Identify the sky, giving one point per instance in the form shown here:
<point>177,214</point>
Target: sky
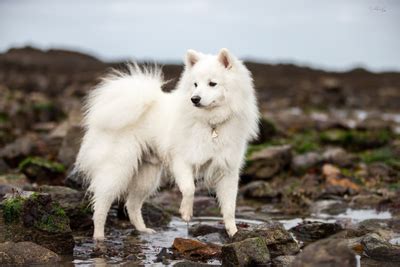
<point>329,34</point>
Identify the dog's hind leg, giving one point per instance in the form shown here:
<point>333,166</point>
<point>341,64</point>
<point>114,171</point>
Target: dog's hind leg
<point>143,185</point>
<point>107,185</point>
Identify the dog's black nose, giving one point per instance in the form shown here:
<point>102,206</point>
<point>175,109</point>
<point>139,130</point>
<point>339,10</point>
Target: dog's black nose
<point>196,99</point>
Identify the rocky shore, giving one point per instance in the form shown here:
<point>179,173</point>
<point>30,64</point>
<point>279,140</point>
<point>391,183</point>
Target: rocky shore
<point>320,187</point>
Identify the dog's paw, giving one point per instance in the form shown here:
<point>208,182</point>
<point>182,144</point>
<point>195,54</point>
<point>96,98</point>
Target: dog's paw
<point>186,210</point>
<point>98,238</point>
<point>186,214</point>
<point>232,230</point>
<point>147,231</point>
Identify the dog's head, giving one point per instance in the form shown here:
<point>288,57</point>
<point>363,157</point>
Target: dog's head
<point>210,78</point>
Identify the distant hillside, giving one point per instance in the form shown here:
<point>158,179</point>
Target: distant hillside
<point>278,86</point>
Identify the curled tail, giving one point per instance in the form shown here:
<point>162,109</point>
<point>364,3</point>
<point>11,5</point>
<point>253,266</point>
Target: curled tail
<point>113,108</point>
<point>122,97</point>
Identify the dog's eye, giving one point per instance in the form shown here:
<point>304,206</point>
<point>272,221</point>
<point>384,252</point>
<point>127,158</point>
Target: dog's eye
<point>195,84</point>
<point>212,84</point>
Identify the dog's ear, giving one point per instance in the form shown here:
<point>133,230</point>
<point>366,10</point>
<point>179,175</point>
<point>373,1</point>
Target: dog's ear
<point>191,58</point>
<point>225,58</point>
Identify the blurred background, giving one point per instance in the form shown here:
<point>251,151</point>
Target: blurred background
<point>327,75</point>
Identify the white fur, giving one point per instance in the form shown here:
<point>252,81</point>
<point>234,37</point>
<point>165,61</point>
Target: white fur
<point>134,131</point>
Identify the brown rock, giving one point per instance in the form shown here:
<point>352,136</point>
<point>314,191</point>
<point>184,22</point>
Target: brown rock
<point>194,249</point>
<point>26,253</point>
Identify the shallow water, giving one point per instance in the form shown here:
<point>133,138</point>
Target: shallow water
<point>124,245</point>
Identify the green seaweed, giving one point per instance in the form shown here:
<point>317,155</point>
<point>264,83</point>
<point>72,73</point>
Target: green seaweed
<point>12,208</point>
<point>38,161</point>
<point>385,155</point>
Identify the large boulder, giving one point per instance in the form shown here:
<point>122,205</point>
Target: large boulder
<point>36,217</point>
<point>26,253</point>
<point>326,252</point>
<point>377,248</point>
<point>278,240</point>
<point>309,231</point>
<point>267,162</point>
<point>249,252</point>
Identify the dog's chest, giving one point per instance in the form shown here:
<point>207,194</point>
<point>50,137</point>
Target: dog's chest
<point>202,144</point>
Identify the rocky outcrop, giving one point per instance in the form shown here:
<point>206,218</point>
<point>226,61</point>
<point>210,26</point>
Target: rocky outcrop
<point>36,217</point>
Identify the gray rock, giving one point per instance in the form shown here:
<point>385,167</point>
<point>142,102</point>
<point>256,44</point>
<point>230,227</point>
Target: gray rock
<point>312,231</point>
<point>338,156</point>
<point>259,189</point>
<point>283,261</point>
<point>278,240</point>
<point>249,252</point>
<point>269,161</point>
<point>26,253</point>
<point>70,145</point>
<point>200,229</point>
<point>326,252</point>
<point>377,248</point>
<point>215,238</point>
<point>300,163</point>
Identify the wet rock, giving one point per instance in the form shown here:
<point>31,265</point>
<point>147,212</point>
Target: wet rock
<point>259,189</point>
<point>75,179</point>
<point>194,249</point>
<point>41,170</point>
<point>338,156</point>
<point>14,152</point>
<point>70,145</point>
<point>308,232</point>
<point>301,163</point>
<point>377,248</point>
<point>15,179</point>
<point>154,215</point>
<point>193,264</point>
<point>6,189</point>
<point>249,252</point>
<point>36,217</point>
<point>215,238</point>
<point>269,161</point>
<point>3,166</point>
<point>278,240</point>
<point>74,203</point>
<point>205,206</point>
<point>326,252</point>
<point>26,253</point>
<point>283,261</point>
<point>267,130</point>
<point>200,229</point>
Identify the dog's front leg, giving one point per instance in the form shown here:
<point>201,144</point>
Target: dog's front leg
<point>227,189</point>
<point>184,178</point>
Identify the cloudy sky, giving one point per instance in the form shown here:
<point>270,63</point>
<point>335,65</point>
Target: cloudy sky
<point>336,35</point>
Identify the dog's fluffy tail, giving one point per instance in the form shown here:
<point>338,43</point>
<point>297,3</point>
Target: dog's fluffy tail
<point>122,97</point>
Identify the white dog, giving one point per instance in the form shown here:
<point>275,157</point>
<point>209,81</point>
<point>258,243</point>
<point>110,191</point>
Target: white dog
<point>134,130</point>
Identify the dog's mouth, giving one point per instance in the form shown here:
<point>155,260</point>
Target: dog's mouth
<point>198,105</point>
